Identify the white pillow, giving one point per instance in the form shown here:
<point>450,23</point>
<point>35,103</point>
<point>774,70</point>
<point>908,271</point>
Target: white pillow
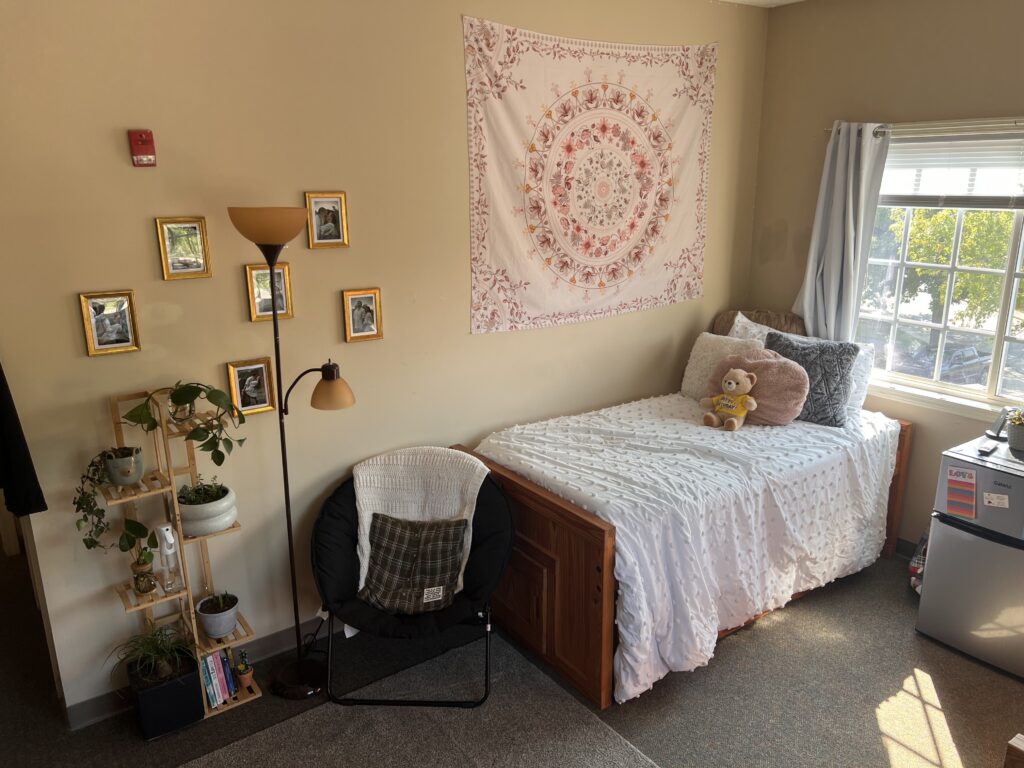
<point>745,328</point>
<point>707,351</point>
<point>860,375</point>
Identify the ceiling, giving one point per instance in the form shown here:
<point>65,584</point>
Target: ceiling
<point>764,3</point>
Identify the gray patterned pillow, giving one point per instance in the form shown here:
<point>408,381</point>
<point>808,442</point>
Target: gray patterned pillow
<point>828,365</point>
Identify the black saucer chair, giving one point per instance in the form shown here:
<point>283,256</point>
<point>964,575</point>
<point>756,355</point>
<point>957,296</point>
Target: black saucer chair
<point>336,572</point>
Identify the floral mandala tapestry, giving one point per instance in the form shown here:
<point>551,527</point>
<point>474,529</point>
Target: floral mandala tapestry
<point>588,175</point>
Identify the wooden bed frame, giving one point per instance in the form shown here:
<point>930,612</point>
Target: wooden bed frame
<point>557,597</point>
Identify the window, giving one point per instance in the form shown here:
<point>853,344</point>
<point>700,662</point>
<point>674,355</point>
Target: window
<point>942,295</point>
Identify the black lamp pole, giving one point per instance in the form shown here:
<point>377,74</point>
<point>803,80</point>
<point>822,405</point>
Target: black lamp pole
<point>302,677</point>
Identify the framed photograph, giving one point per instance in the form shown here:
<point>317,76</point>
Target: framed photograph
<point>184,251</point>
<point>327,219</point>
<point>252,385</point>
<point>110,324</point>
<point>257,278</point>
<point>364,319</point>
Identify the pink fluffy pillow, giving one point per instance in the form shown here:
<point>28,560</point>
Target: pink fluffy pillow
<point>780,390</point>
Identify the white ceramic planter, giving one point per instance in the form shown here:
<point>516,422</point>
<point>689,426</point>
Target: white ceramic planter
<point>204,519</point>
<point>126,470</point>
<point>217,625</point>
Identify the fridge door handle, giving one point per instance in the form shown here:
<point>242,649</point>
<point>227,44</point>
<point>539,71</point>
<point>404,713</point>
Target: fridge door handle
<point>976,530</point>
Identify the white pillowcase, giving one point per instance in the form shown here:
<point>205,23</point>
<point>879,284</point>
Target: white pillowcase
<point>860,375</point>
<point>745,328</point>
<point>707,351</point>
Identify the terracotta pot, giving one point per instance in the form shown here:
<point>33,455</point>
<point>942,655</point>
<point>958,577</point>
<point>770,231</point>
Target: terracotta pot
<point>245,678</point>
<point>143,581</point>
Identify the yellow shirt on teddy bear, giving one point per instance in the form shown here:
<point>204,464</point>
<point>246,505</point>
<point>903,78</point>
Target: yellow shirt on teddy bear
<point>731,406</point>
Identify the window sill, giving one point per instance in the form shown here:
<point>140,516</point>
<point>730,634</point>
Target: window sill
<point>960,406</point>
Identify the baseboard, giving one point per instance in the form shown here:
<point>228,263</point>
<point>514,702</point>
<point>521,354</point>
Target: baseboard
<point>905,549</point>
<point>101,707</point>
<point>91,711</point>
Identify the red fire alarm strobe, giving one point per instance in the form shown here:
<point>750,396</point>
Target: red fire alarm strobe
<point>142,147</point>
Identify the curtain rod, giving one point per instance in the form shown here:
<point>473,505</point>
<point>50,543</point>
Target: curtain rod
<point>950,127</point>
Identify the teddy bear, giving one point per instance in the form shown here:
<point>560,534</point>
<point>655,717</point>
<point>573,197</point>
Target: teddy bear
<point>730,408</point>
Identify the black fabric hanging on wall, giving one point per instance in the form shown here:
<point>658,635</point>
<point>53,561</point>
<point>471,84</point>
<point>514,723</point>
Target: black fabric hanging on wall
<point>22,493</point>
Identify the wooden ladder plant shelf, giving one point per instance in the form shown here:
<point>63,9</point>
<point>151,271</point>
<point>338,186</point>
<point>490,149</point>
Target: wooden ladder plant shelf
<point>159,482</point>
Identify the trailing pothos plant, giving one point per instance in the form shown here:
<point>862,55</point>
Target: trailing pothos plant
<point>211,431</point>
<point>92,522</point>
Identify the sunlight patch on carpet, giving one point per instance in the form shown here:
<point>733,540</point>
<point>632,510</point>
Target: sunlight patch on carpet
<point>914,729</point>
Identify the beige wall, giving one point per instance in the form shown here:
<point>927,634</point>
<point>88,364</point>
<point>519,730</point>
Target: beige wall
<point>253,103</point>
<point>874,60</point>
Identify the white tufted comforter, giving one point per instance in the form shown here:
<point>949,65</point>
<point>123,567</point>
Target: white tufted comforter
<point>712,527</point>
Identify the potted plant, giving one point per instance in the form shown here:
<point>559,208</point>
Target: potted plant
<point>102,468</point>
<point>124,465</point>
<point>244,669</point>
<point>210,430</point>
<point>93,517</point>
<point>164,680</point>
<point>218,614</point>
<point>206,507</point>
<point>142,543</point>
<point>136,538</point>
<point>1015,429</point>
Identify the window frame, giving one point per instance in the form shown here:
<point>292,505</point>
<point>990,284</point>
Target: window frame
<point>1013,280</point>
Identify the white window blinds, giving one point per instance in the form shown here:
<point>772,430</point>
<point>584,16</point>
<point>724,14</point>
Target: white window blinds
<point>985,171</point>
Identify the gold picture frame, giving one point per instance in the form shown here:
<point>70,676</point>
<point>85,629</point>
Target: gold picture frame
<point>109,322</point>
<point>327,219</point>
<point>251,383</point>
<point>184,248</point>
<point>258,284</point>
<point>364,314</point>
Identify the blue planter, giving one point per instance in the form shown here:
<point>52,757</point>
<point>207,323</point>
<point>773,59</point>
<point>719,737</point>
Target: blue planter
<point>170,705</point>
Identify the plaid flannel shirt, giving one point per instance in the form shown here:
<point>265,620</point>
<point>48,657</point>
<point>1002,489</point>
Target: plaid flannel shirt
<point>414,565</point>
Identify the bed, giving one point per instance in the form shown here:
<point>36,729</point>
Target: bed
<point>639,516</point>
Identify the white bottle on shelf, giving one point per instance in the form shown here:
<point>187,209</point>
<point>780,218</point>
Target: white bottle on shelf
<point>169,558</point>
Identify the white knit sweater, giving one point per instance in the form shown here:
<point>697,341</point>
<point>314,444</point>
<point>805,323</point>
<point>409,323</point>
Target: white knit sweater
<point>426,483</point>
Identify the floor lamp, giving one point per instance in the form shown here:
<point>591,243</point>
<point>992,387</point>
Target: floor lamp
<point>270,229</point>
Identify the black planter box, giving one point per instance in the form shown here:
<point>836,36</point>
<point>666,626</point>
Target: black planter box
<point>168,706</point>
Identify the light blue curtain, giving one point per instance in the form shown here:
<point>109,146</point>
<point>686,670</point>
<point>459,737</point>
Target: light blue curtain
<point>843,221</point>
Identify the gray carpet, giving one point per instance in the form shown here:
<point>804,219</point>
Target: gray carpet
<point>838,678</point>
<point>33,731</point>
<point>529,721</point>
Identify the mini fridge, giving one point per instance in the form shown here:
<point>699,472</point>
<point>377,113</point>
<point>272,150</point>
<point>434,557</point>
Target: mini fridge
<point>972,598</point>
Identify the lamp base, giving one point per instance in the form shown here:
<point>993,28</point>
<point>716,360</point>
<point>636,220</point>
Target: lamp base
<point>299,679</point>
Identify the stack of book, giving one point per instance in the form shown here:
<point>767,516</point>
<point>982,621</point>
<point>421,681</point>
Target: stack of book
<point>219,679</point>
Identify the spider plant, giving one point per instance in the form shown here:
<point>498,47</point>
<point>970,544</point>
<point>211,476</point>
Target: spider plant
<point>154,656</point>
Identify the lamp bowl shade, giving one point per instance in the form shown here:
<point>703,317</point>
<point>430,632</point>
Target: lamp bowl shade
<point>268,226</point>
<point>332,395</point>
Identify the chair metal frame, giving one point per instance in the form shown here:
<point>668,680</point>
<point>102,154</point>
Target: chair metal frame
<point>484,616</point>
